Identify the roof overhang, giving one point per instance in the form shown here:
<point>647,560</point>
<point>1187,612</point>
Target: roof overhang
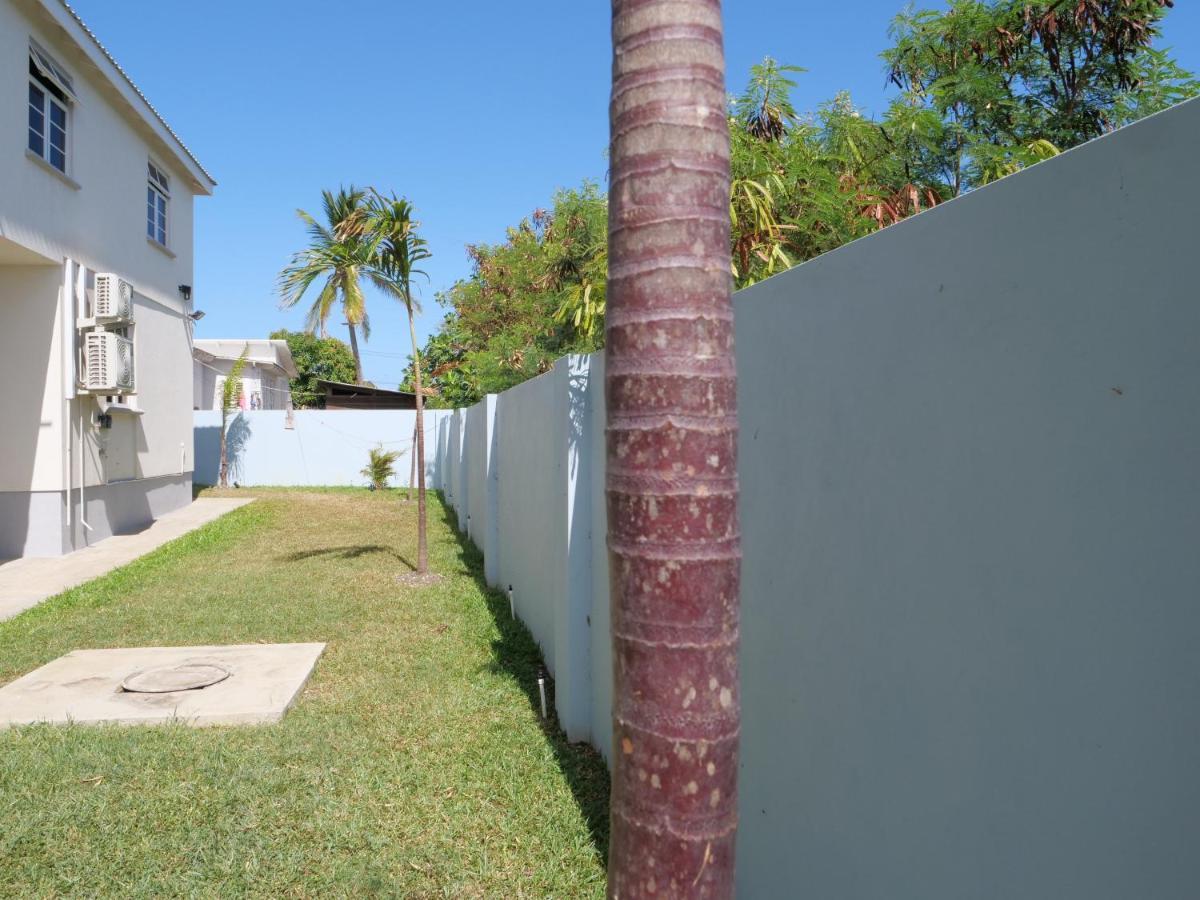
<point>67,25</point>
<point>259,351</point>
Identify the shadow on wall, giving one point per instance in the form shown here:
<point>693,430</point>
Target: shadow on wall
<point>206,453</point>
<point>516,654</point>
<point>237,437</point>
<point>206,450</point>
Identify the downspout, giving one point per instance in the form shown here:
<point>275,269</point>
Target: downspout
<point>82,476</point>
<point>81,294</point>
<point>67,338</point>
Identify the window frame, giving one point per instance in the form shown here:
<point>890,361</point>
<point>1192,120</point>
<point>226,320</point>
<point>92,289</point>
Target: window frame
<point>158,204</point>
<point>53,96</point>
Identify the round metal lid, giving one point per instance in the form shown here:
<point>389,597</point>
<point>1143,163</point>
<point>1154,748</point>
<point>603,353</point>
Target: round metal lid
<point>188,676</point>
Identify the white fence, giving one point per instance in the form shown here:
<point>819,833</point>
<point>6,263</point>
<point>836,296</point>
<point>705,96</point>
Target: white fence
<point>310,447</point>
<point>970,505</point>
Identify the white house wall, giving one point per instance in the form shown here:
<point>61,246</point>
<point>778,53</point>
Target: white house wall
<point>95,217</point>
<point>31,401</point>
<point>102,222</point>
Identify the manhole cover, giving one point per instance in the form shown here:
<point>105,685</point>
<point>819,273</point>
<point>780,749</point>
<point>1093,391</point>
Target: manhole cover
<point>189,676</point>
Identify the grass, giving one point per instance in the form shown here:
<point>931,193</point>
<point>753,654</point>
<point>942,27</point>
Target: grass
<point>414,764</point>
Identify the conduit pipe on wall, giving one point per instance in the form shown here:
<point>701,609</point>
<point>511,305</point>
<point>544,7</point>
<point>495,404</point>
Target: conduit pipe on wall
<point>79,295</point>
<point>67,337</point>
<point>82,477</point>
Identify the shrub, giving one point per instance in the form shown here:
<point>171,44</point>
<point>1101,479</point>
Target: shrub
<point>381,466</point>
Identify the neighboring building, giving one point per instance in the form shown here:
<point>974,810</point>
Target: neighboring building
<point>358,396</point>
<point>97,425</point>
<point>265,378</point>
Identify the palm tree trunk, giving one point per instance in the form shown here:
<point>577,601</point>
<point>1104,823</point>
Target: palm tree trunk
<point>412,452</point>
<point>422,548</point>
<point>674,545</point>
<point>223,475</point>
<point>358,372</point>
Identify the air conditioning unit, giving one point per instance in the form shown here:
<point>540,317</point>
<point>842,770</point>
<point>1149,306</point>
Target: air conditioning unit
<point>113,297</point>
<point>109,363</point>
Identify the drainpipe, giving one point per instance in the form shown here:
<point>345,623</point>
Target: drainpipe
<point>81,297</point>
<point>67,338</point>
<point>82,476</point>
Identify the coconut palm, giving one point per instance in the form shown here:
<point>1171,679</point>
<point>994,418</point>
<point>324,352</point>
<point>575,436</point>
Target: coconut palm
<point>339,253</point>
<point>387,224</point>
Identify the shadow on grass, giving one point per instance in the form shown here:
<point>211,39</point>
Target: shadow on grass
<point>516,654</point>
<point>352,551</point>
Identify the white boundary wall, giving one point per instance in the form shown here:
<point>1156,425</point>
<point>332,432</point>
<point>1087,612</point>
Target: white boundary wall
<point>971,505</point>
<point>321,448</point>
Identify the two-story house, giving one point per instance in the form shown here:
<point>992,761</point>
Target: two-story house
<point>96,196</point>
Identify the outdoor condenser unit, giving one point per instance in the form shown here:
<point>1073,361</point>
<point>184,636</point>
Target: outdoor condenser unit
<point>113,297</point>
<point>109,363</point>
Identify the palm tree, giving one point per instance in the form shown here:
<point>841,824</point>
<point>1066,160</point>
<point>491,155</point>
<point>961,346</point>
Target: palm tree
<point>231,392</point>
<point>341,254</point>
<point>672,469</point>
<point>388,221</point>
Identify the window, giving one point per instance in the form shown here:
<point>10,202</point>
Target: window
<point>158,193</point>
<point>51,93</point>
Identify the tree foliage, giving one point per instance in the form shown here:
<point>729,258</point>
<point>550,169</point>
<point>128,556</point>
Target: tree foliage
<point>380,467</point>
<point>339,255</point>
<point>317,359</point>
<point>505,322</point>
<point>231,394</point>
<point>983,89</point>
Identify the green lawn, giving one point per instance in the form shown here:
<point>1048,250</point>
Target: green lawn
<point>414,764</point>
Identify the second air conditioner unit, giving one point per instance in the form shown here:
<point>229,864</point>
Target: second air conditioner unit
<point>112,298</point>
<point>109,363</point>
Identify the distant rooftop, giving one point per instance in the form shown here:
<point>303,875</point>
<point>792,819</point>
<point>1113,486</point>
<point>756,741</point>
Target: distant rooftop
<point>261,351</point>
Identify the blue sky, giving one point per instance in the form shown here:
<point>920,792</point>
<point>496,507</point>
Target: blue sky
<point>477,111</point>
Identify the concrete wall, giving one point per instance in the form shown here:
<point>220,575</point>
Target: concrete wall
<point>970,606</point>
<point>324,447</point>
<point>970,505</point>
<point>531,499</point>
<point>482,523</point>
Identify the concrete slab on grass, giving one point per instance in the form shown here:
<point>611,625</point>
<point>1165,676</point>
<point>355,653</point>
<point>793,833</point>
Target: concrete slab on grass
<point>27,582</point>
<point>85,687</point>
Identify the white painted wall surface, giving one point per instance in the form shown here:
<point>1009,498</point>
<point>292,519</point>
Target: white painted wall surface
<point>324,447</point>
<point>102,223</point>
<point>482,524</point>
<point>31,434</point>
<point>532,503</point>
<point>970,505</point>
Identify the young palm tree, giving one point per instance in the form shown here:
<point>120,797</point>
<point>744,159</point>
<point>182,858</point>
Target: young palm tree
<point>672,440</point>
<point>231,392</point>
<point>339,253</point>
<point>388,220</point>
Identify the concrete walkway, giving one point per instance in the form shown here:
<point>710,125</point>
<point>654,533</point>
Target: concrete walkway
<point>27,582</point>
